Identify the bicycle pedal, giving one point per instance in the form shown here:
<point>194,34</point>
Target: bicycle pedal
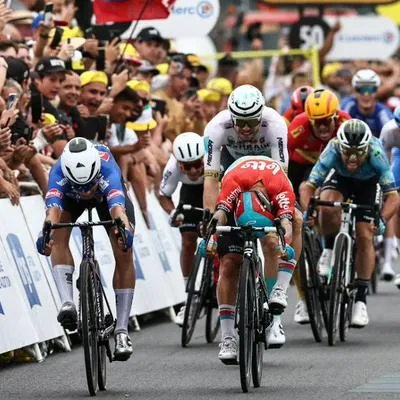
<point>230,362</point>
<point>275,346</point>
<point>276,309</point>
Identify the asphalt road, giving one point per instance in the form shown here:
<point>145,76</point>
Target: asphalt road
<point>367,366</point>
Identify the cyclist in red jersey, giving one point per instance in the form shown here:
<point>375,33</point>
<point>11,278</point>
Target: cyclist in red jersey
<point>265,175</point>
<point>309,133</point>
<point>299,97</point>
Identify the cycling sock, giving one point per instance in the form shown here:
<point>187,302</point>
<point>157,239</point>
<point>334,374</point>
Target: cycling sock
<point>329,241</point>
<point>123,300</point>
<point>227,317</point>
<point>389,245</point>
<point>362,290</point>
<point>62,274</point>
<point>270,282</point>
<point>285,272</point>
<point>185,282</point>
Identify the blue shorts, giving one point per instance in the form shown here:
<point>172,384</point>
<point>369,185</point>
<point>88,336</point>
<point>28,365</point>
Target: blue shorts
<point>396,167</point>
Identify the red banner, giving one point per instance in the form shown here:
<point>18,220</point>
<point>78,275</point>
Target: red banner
<point>107,11</point>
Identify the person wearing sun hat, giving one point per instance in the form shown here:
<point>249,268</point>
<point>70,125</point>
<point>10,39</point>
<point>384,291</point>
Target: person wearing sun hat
<point>224,87</point>
<point>93,89</point>
<point>210,102</point>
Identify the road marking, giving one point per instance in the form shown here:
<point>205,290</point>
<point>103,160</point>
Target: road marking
<point>385,384</point>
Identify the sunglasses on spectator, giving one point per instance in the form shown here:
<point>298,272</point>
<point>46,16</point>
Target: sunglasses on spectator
<point>349,151</point>
<point>367,90</point>
<point>322,121</point>
<point>196,165</point>
<point>251,123</point>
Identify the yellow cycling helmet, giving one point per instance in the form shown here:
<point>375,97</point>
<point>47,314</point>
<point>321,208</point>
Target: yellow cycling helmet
<point>321,103</point>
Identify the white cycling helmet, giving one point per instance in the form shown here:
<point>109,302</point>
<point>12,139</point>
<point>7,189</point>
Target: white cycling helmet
<point>80,161</point>
<point>354,133</point>
<point>188,147</point>
<point>246,102</point>
<point>366,77</point>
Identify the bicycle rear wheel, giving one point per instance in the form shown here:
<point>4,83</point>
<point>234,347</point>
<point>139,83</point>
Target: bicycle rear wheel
<point>212,314</point>
<point>246,333</point>
<point>312,290</point>
<point>89,325</point>
<point>197,288</point>
<point>336,287</point>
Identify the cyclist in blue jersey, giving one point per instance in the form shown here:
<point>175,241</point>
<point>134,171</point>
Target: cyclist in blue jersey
<point>364,105</point>
<point>351,166</point>
<point>86,176</point>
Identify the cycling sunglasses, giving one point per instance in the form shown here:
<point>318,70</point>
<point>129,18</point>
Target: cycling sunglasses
<point>322,121</point>
<point>196,165</point>
<point>85,188</point>
<point>367,90</point>
<point>349,151</point>
<point>251,123</point>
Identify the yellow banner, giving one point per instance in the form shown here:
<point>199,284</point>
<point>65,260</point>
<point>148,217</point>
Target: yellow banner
<point>327,2</point>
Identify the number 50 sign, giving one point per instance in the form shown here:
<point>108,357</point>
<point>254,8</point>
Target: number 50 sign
<point>308,32</point>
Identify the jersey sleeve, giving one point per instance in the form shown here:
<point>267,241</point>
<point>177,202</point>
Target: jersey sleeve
<point>386,137</point>
<point>382,168</point>
<point>57,188</point>
<point>295,131</point>
<point>213,140</point>
<point>326,162</point>
<point>278,139</point>
<point>112,182</point>
<point>170,178</point>
<point>347,104</point>
<point>280,192</point>
<point>228,196</point>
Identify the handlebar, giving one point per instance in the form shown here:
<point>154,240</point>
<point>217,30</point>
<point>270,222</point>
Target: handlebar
<point>117,222</point>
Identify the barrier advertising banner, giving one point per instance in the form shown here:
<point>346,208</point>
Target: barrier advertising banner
<point>22,254</point>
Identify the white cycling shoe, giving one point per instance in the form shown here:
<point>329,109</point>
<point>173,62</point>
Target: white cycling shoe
<point>301,313</point>
<point>360,317</point>
<point>276,335</point>
<point>180,316</point>
<point>228,350</point>
<point>397,280</point>
<point>324,263</point>
<point>277,301</point>
<point>387,272</point>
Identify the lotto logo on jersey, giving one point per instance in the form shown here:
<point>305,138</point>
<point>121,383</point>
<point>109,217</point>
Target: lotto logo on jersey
<point>283,200</point>
<point>262,166</point>
<point>104,156</point>
<point>54,193</point>
<point>114,193</point>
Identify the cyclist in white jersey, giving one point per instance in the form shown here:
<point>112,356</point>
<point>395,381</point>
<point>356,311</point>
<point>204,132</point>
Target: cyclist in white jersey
<point>390,137</point>
<point>185,165</point>
<point>246,128</point>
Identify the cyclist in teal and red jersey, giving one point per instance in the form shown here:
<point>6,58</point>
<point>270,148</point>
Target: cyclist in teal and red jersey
<point>266,176</point>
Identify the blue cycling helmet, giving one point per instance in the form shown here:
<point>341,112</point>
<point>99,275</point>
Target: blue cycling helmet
<point>250,211</point>
<point>396,114</point>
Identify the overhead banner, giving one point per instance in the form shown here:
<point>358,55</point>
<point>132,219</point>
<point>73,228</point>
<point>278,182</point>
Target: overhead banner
<point>364,38</point>
<point>327,2</point>
<point>110,11</point>
<point>187,18</point>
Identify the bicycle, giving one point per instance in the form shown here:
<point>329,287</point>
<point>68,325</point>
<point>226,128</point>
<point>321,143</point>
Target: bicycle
<point>95,325</point>
<point>252,314</point>
<point>341,279</point>
<point>201,290</point>
<point>314,290</point>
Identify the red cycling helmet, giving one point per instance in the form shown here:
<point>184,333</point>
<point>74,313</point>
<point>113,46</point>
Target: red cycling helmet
<point>299,98</point>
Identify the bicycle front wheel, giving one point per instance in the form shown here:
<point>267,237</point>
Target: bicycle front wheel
<point>246,333</point>
<point>89,324</point>
<point>197,287</point>
<point>102,354</point>
<point>336,287</point>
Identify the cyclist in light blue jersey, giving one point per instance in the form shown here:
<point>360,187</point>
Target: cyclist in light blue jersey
<point>364,105</point>
<point>350,167</point>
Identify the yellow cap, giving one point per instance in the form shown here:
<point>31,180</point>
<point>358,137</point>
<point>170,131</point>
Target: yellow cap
<point>221,85</point>
<point>137,85</point>
<point>163,68</point>
<point>94,77</point>
<point>331,69</point>
<point>145,122</point>
<point>209,96</point>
